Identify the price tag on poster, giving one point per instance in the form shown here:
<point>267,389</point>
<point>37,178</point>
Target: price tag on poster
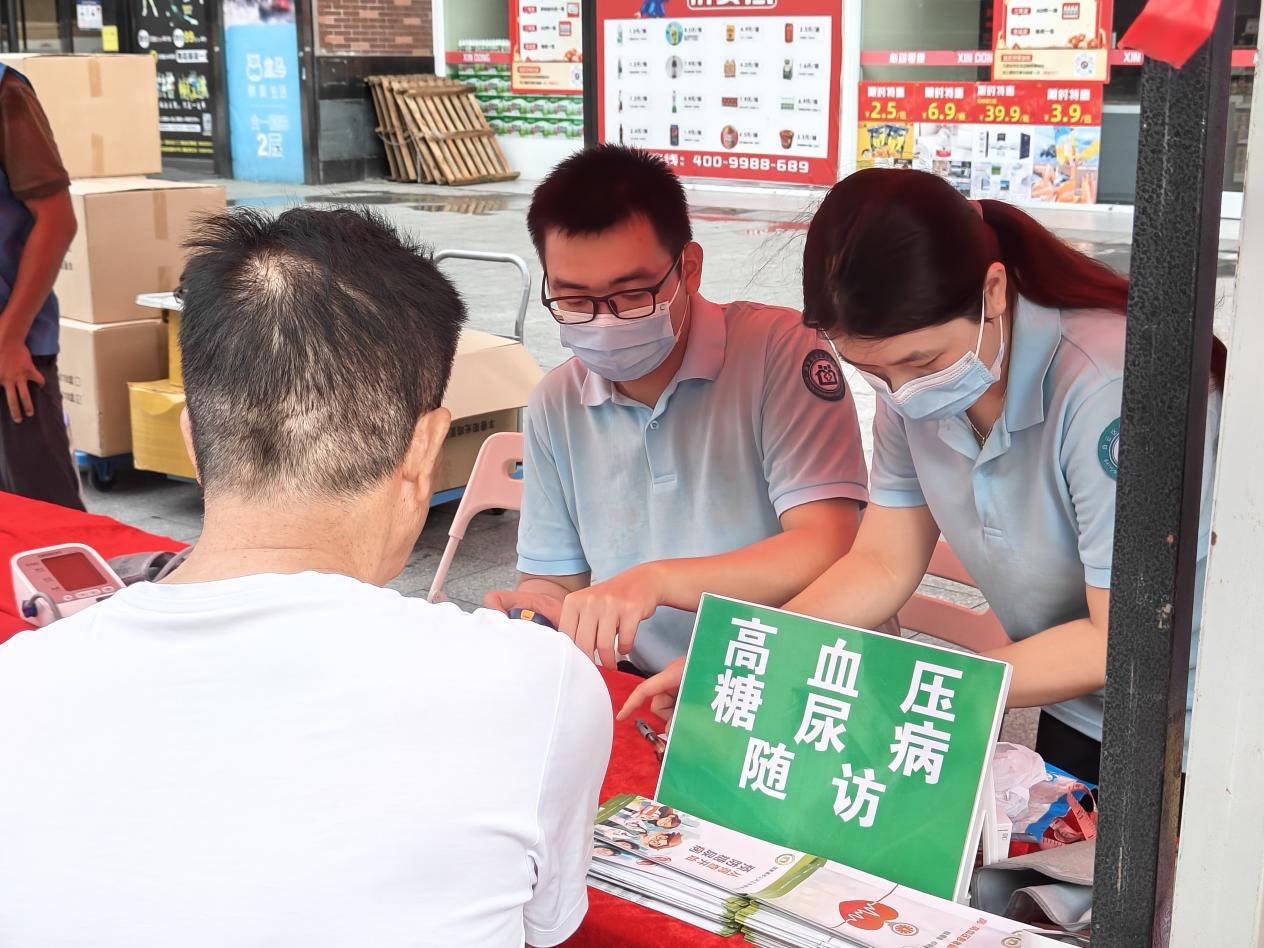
<point>741,90</point>
<point>1051,39</point>
<point>1067,104</point>
<point>547,47</point>
<point>947,103</point>
<point>1004,103</point>
<point>889,101</point>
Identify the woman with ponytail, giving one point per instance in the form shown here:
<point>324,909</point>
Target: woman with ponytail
<point>996,351</point>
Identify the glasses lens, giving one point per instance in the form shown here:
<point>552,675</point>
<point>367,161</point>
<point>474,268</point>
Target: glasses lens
<point>572,309</point>
<point>636,304</point>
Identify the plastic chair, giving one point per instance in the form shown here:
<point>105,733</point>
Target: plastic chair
<point>492,485</point>
<point>950,621</point>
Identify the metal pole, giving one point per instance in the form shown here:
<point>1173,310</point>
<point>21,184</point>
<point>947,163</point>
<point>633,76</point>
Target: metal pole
<point>592,62</point>
<point>1166,367</point>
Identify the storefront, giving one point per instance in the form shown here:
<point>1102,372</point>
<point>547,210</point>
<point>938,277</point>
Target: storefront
<point>1007,99</point>
<point>526,61</point>
<point>181,36</point>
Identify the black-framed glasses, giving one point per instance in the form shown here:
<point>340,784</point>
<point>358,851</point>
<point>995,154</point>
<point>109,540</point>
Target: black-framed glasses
<point>626,304</point>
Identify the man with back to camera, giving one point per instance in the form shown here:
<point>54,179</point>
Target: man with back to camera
<point>267,747</point>
<point>688,447</point>
<point>37,223</point>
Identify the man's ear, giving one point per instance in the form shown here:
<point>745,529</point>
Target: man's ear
<point>422,456</point>
<point>186,432</point>
<point>691,264</point>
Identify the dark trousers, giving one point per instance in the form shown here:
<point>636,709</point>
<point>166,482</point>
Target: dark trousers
<point>35,455</point>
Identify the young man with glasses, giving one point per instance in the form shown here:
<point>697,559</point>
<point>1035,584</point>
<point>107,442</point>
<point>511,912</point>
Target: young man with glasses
<point>688,447</point>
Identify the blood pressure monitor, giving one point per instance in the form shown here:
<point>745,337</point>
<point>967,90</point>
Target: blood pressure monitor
<point>57,581</point>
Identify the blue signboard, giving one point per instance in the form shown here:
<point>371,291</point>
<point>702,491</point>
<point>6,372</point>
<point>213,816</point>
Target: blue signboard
<point>265,124</point>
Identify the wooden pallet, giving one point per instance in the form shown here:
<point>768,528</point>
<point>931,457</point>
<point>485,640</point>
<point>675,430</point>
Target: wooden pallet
<point>435,132</point>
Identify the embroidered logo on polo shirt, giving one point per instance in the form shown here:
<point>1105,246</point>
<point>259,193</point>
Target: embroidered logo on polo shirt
<point>821,376</point>
<point>1108,449</point>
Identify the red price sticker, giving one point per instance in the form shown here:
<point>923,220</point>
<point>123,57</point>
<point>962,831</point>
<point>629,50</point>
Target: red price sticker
<point>1002,103</point>
<point>1070,104</point>
<point>946,104</point>
<point>886,102</point>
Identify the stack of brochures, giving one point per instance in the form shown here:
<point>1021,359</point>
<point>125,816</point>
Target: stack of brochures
<point>725,882</point>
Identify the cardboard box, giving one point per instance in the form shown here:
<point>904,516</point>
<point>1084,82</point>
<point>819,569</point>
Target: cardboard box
<point>94,367</point>
<point>464,439</point>
<point>156,441</point>
<point>129,242</point>
<point>491,379</point>
<point>103,109</point>
<point>168,304</point>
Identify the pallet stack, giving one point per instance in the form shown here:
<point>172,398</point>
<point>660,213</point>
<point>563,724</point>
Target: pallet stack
<point>435,133</point>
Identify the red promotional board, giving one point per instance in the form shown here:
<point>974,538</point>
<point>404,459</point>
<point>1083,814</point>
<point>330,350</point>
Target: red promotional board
<point>734,89</point>
<point>983,103</point>
<point>1023,141</point>
<point>546,38</point>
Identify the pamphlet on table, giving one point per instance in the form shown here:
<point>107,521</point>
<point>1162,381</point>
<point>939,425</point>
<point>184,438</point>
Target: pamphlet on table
<point>725,882</point>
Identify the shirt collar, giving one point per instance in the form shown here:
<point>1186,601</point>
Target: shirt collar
<point>704,353</point>
<point>1037,331</point>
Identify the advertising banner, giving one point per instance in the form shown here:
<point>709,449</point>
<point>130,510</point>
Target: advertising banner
<point>178,39</point>
<point>264,117</point>
<point>1019,141</point>
<point>1052,39</point>
<point>548,47</point>
<point>742,89</point>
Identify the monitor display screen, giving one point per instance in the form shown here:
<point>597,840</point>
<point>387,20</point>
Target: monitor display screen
<point>74,571</point>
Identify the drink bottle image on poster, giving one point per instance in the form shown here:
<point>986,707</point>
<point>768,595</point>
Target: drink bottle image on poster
<point>548,48</point>
<point>738,91</point>
<point>1052,39</point>
<point>264,118</point>
<point>174,32</point>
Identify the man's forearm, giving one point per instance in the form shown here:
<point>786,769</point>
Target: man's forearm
<point>771,571</point>
<point>42,254</point>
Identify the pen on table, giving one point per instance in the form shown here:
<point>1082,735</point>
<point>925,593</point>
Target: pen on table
<point>648,733</point>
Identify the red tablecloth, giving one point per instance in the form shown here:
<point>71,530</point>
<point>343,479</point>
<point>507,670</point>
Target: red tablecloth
<point>28,524</point>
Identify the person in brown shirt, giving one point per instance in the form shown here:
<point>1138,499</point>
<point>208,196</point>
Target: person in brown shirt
<point>37,223</point>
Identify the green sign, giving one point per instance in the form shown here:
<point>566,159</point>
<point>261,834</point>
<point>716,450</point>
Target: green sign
<point>863,748</point>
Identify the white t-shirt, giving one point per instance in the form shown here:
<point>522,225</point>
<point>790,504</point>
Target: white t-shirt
<point>295,760</point>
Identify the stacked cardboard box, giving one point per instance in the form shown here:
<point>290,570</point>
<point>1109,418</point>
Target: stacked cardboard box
<point>103,110</point>
<point>130,241</point>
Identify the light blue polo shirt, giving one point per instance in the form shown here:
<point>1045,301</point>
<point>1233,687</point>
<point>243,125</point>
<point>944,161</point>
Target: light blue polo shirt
<point>757,420</point>
<point>1031,514</point>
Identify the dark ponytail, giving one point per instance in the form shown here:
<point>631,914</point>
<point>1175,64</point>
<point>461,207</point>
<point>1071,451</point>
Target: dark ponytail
<point>891,251</point>
<point>1045,269</point>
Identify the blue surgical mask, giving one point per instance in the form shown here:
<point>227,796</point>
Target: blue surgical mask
<point>622,350</point>
<point>947,392</point>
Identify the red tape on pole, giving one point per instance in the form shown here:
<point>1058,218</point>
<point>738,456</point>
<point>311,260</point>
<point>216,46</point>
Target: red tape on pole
<point>1172,30</point>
